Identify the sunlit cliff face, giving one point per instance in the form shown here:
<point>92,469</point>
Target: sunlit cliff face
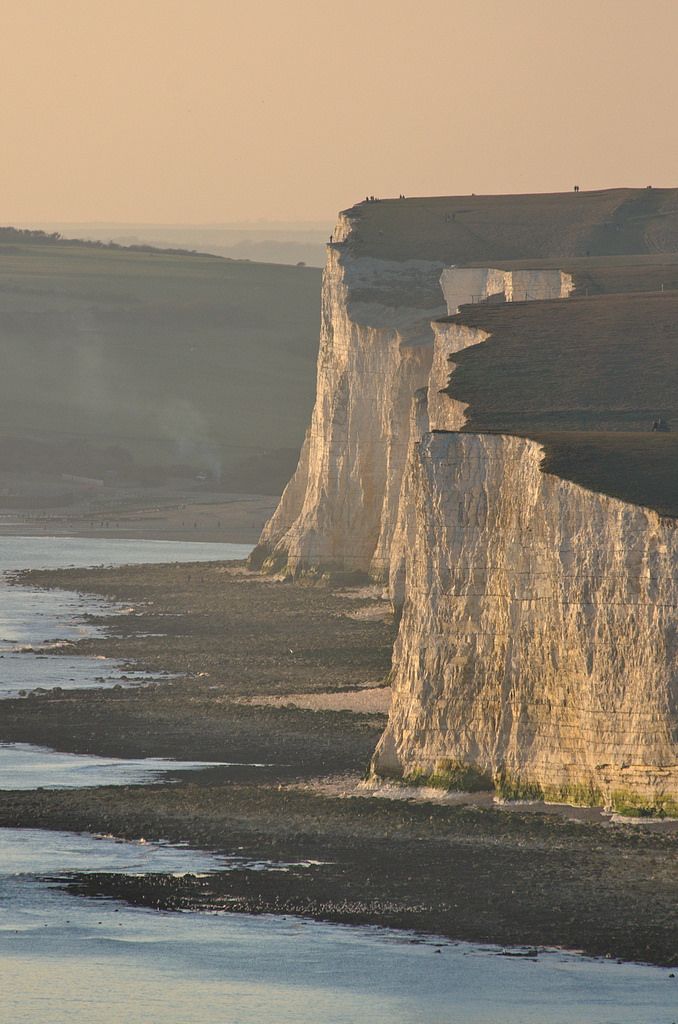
<point>536,649</point>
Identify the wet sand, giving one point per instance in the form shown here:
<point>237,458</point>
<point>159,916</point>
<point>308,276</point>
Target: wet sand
<point>371,700</point>
<point>463,871</point>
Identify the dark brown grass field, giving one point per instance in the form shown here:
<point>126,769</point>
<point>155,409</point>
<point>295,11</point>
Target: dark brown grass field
<point>467,229</point>
<point>588,377</point>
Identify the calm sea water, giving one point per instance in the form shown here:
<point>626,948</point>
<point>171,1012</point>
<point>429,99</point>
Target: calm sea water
<point>62,552</point>
<point>24,766</point>
<point>30,617</point>
<point>68,959</point>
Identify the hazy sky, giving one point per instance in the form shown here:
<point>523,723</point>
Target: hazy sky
<point>212,110</point>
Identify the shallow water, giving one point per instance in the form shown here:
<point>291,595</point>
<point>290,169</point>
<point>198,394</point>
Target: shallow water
<point>29,616</point>
<point>65,958</point>
<point>21,674</point>
<point>64,552</point>
<point>24,766</point>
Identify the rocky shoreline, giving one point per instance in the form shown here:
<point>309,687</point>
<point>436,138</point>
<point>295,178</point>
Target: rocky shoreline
<point>463,872</point>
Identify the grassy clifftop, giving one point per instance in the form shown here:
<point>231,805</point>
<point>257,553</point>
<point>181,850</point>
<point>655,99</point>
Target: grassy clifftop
<point>467,229</point>
<point>169,357</point>
<point>587,377</point>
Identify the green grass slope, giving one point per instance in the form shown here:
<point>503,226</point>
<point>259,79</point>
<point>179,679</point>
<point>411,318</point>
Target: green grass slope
<point>170,358</point>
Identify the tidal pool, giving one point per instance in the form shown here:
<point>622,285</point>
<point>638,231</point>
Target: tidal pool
<point>31,617</point>
<point>24,766</point>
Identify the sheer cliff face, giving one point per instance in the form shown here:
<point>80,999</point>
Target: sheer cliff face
<point>538,646</point>
<point>340,508</point>
<point>444,414</point>
<point>482,284</point>
<point>432,409</point>
<point>538,642</point>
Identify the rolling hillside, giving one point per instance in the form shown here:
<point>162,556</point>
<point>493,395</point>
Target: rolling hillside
<point>116,358</point>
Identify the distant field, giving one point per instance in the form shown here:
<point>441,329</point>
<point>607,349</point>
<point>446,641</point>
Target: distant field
<point>274,242</point>
<point>472,229</point>
<point>587,376</point>
<point>172,359</point>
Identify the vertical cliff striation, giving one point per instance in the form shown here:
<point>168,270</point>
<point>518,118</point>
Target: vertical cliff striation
<point>538,645</point>
<point>538,642</point>
<point>377,342</point>
<point>339,510</point>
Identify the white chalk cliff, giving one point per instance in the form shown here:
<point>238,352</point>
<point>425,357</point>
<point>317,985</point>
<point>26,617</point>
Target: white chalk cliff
<point>341,507</point>
<point>480,284</point>
<point>376,344</point>
<point>538,642</point>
